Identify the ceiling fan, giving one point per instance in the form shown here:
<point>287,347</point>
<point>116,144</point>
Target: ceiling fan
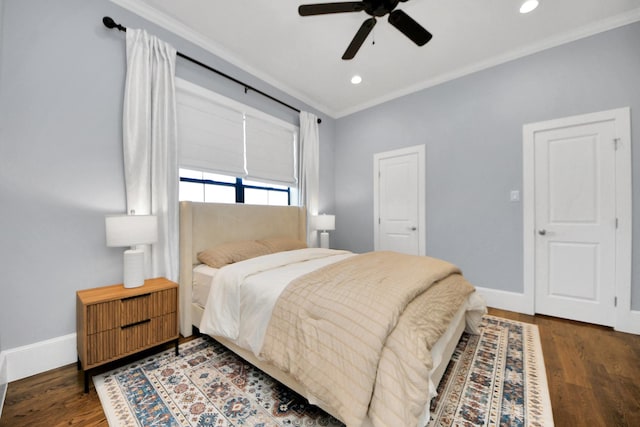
<point>379,8</point>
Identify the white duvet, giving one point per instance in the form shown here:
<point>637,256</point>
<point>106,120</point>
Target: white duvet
<point>242,295</point>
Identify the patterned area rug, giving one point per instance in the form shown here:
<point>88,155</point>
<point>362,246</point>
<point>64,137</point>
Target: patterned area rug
<point>495,378</point>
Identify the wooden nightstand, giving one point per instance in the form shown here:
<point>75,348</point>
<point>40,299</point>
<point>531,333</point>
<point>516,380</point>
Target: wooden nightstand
<point>114,321</point>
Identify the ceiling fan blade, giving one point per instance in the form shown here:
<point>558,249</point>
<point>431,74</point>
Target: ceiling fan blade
<point>325,8</point>
<point>409,27</point>
<point>359,38</point>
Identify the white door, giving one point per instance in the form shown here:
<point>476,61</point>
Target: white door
<point>575,221</point>
<point>399,200</point>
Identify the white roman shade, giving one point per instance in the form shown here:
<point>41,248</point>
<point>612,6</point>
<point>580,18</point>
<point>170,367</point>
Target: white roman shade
<point>210,133</point>
<point>270,151</point>
<point>219,135</point>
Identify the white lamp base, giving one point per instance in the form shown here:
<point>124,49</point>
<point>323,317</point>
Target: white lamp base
<point>324,239</point>
<point>133,268</point>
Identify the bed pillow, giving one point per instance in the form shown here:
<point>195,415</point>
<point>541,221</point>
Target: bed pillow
<point>281,244</point>
<point>228,253</point>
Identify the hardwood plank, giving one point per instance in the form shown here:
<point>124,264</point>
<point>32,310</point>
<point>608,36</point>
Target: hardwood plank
<point>592,371</point>
<point>52,398</point>
<point>593,375</point>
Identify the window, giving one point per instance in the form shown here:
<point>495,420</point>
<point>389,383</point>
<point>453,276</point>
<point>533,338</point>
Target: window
<point>232,153</point>
<point>198,186</point>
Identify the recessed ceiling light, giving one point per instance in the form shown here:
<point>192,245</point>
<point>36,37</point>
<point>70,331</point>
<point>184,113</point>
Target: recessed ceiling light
<point>356,79</point>
<point>528,6</point>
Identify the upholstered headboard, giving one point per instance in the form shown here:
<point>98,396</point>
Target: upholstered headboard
<point>204,225</point>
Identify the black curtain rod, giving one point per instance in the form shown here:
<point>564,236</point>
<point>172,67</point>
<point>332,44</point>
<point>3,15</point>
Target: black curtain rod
<point>110,23</point>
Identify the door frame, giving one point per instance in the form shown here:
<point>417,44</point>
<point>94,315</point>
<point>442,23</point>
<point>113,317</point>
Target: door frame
<point>422,223</point>
<point>623,178</point>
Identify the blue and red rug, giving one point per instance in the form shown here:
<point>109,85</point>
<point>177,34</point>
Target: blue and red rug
<point>496,378</point>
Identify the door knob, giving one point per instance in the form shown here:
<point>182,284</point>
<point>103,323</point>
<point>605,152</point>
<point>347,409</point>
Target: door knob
<point>413,228</point>
<point>542,232</point>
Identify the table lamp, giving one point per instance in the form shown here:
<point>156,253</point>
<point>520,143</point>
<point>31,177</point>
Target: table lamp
<point>324,223</point>
<point>132,230</point>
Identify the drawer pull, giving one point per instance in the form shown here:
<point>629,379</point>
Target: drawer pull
<point>136,296</point>
<point>135,324</point>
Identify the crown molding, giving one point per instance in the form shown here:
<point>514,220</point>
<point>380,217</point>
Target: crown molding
<point>147,12</point>
<point>176,27</point>
<point>551,42</point>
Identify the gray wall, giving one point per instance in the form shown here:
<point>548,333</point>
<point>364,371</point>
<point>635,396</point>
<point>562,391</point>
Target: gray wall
<point>472,129</point>
<point>61,154</point>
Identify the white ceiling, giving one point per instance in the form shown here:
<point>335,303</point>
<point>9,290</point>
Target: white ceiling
<point>302,55</point>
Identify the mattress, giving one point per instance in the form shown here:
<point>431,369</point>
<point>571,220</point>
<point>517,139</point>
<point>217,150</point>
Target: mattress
<point>202,278</point>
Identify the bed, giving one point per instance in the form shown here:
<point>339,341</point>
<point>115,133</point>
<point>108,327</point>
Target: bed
<point>207,225</point>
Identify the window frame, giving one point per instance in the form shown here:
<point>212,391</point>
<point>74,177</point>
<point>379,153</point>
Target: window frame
<point>239,186</point>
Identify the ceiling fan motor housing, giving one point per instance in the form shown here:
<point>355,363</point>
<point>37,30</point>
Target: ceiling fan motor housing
<point>380,7</point>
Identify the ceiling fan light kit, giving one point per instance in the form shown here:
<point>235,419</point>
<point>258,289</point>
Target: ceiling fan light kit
<point>375,8</point>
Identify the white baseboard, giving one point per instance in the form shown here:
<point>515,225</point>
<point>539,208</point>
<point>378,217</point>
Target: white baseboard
<point>3,375</point>
<point>629,322</point>
<point>22,362</point>
<point>505,300</point>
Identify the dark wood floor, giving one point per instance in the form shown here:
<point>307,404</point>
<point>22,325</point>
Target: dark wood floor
<point>593,374</point>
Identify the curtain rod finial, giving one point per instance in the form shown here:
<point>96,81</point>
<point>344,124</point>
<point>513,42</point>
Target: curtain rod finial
<point>110,23</point>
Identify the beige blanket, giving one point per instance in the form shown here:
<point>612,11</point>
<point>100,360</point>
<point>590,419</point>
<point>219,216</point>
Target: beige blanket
<point>330,329</point>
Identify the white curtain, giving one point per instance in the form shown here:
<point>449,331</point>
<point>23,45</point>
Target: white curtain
<point>150,144</point>
<point>310,171</point>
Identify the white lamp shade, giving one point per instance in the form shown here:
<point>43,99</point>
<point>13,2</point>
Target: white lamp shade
<point>131,230</point>
<point>325,222</point>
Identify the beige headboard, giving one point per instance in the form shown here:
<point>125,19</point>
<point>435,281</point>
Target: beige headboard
<point>204,225</point>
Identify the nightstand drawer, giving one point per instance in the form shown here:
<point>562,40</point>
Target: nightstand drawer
<point>135,309</point>
<point>102,347</point>
<point>164,302</point>
<point>163,328</point>
<point>135,336</point>
<point>102,317</point>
